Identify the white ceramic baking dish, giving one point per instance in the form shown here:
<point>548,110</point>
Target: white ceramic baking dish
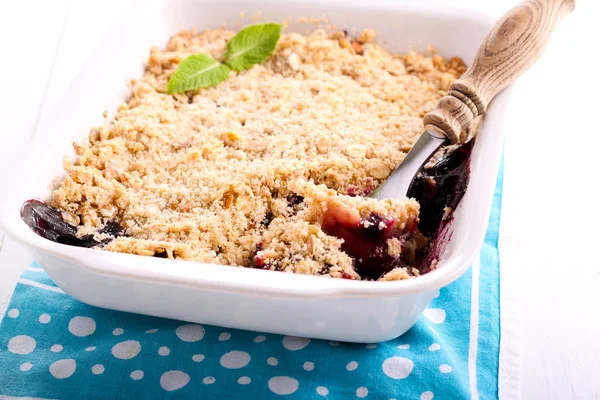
<point>252,299</point>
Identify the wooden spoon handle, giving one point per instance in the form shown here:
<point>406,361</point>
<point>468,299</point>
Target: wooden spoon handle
<point>514,44</point>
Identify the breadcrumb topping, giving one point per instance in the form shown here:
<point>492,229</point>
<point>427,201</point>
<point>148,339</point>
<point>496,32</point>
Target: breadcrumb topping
<point>242,173</point>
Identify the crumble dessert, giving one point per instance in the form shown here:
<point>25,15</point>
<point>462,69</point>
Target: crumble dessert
<point>269,168</point>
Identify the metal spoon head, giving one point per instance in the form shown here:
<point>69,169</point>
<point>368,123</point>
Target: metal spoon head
<point>398,183</point>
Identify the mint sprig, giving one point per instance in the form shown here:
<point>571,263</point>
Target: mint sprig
<point>250,46</point>
<point>197,71</point>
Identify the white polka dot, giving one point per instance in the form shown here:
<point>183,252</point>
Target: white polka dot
<point>283,385</point>
<point>164,351</point>
<point>137,375</point>
<point>174,380</point>
<point>209,380</point>
<point>63,369</point>
<point>244,380</point>
<point>434,347</point>
<point>26,366</point>
<point>362,392</point>
<point>118,331</point>
<point>13,313</point>
<point>224,336</point>
<point>404,346</point>
<point>44,318</point>
<point>235,359</point>
<point>272,361</point>
<point>295,343</point>
<point>445,369</point>
<point>97,369</point>
<point>334,344</point>
<point>397,367</point>
<point>126,350</point>
<point>152,331</point>
<point>308,366</point>
<point>91,348</point>
<point>427,395</point>
<point>21,344</point>
<point>82,326</point>
<point>260,339</point>
<point>56,348</point>
<point>198,357</point>
<point>190,332</point>
<point>352,365</point>
<point>371,346</point>
<point>322,390</point>
<point>435,315</point>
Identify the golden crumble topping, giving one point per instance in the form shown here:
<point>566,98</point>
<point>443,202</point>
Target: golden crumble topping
<point>249,172</point>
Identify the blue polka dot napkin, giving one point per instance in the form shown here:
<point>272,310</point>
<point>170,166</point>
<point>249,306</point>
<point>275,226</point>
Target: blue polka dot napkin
<point>52,346</point>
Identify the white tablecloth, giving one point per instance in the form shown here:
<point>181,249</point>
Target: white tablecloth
<point>550,270</point>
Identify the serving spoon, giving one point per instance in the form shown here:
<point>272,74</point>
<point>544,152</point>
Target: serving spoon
<point>513,45</point>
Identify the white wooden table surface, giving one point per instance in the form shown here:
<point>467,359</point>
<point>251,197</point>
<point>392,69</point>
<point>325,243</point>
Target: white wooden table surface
<point>549,230</point>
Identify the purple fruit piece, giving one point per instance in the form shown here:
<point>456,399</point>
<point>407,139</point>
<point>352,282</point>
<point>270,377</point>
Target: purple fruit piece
<point>293,199</point>
<point>260,262</point>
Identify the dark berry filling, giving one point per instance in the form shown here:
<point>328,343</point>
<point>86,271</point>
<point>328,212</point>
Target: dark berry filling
<point>261,262</point>
<point>48,222</point>
<point>366,243</point>
<point>293,199</point>
<point>441,186</point>
<point>294,202</point>
<point>436,188</point>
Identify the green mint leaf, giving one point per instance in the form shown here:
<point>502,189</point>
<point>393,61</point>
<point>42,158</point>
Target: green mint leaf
<point>252,45</point>
<point>195,72</point>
